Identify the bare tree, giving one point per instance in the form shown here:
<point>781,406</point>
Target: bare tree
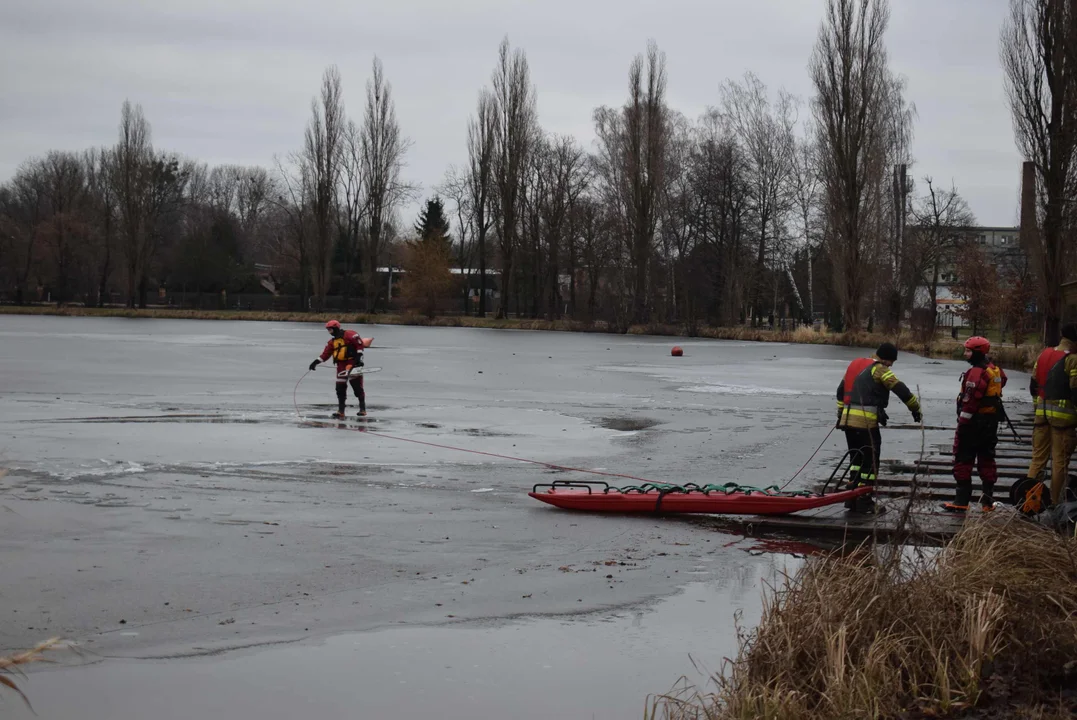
<point>323,142</point>
<point>902,260</point>
<point>353,208</point>
<point>514,125</point>
<point>457,187</point>
<point>680,224</point>
<point>720,177</point>
<point>131,166</point>
<point>806,190</point>
<point>940,216</point>
<point>291,242</point>
<point>254,194</point>
<point>98,169</point>
<point>383,149</point>
<point>148,186</point>
<point>65,227</point>
<point>595,245</point>
<point>850,74</point>
<point>481,146</point>
<point>1038,47</point>
<point>20,214</point>
<point>766,134</point>
<point>563,169</point>
<point>633,146</point>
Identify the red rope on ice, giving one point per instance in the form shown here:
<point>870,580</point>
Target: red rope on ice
<point>467,450</point>
<point>552,466</point>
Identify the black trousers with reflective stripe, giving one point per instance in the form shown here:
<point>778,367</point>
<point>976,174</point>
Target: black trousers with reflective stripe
<point>864,461</point>
<point>357,388</point>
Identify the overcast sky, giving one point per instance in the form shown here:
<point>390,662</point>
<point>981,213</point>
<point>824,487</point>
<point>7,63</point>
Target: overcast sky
<point>230,81</point>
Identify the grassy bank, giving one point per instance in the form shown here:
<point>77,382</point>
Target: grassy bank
<point>1007,356</point>
<point>985,629</point>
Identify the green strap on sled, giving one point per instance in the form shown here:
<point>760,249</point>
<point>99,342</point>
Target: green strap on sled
<point>726,488</point>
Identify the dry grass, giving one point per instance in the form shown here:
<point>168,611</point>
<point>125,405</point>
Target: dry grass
<point>1021,357</point>
<point>11,665</point>
<point>990,622</point>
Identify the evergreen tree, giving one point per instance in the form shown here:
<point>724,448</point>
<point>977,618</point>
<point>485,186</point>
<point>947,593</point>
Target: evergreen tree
<point>432,222</point>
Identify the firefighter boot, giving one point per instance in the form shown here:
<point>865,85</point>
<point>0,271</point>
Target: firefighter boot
<point>961,499</point>
<point>854,482</point>
<point>866,505</point>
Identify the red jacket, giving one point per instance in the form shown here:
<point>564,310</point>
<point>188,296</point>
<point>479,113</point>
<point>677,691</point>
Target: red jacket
<point>977,397</point>
<point>347,351</point>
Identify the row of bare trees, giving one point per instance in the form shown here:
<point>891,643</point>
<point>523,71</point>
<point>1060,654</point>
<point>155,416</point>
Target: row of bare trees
<point>763,206</point>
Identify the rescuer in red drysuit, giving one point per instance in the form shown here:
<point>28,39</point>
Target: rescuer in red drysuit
<point>346,349</point>
<point>979,410</point>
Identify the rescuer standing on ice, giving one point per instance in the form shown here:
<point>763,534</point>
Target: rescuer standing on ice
<point>346,349</point>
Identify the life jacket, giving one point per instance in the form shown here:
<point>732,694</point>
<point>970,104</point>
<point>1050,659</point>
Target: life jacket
<point>1044,364</point>
<point>342,350</point>
<point>992,399</point>
<point>1049,359</point>
<point>862,395</point>
<point>1057,403</point>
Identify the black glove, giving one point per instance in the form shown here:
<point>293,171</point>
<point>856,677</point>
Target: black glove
<point>359,361</point>
<point>883,417</point>
<point>314,364</point>
<point>917,416</point>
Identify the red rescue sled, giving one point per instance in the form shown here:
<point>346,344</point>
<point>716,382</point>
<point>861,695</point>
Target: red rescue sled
<point>729,499</point>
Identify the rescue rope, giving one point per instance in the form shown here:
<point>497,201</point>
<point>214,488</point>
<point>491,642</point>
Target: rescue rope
<point>783,487</point>
<point>294,391</point>
<point>654,484</point>
<point>475,452</point>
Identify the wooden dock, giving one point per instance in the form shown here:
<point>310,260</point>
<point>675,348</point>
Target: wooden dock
<point>930,479</point>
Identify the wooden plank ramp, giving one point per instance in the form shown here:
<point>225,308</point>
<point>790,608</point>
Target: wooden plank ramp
<point>930,478</point>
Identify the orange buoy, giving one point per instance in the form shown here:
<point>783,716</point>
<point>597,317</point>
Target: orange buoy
<point>676,352</point>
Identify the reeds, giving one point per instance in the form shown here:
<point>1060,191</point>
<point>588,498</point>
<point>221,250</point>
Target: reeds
<point>989,621</point>
<point>10,665</point>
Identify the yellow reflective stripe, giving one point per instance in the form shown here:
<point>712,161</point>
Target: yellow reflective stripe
<point>862,413</point>
<point>840,404</point>
<point>889,374</point>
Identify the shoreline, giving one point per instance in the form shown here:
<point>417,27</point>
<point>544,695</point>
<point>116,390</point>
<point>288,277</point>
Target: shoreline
<point>1019,357</point>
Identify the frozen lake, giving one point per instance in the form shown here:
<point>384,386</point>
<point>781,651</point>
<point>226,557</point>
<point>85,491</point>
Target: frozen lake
<point>169,508</point>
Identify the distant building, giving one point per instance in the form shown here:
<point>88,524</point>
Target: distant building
<point>1001,243</point>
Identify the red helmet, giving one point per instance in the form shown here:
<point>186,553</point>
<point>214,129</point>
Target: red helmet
<point>332,325</point>
<point>978,343</point>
